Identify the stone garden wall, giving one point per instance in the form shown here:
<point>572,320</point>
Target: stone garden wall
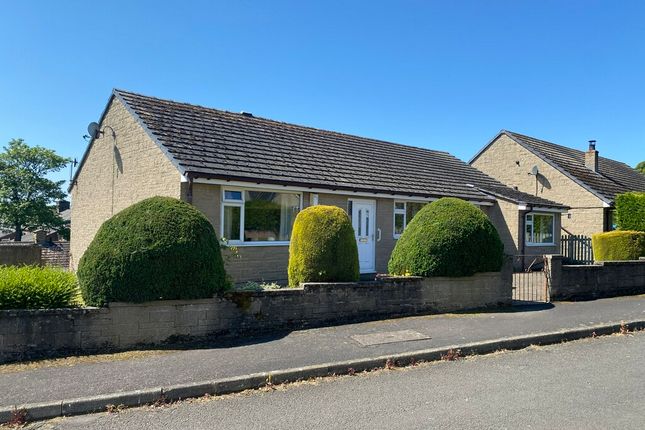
<point>19,253</point>
<point>602,279</point>
<point>26,333</point>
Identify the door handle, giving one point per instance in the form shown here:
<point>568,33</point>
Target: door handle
<point>378,230</point>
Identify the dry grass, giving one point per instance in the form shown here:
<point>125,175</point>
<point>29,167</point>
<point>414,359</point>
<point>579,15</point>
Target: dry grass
<point>18,419</point>
<point>80,359</point>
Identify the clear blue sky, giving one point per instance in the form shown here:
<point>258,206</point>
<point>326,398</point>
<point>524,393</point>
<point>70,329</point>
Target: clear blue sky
<point>439,74</point>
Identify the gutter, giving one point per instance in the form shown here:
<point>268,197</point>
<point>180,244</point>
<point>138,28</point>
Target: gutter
<point>238,181</point>
<point>524,207</point>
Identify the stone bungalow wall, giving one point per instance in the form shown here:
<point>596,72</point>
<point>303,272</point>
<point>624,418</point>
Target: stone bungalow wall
<point>26,333</point>
<point>602,279</point>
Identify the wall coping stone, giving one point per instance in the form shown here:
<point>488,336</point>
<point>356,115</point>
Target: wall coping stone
<point>50,312</point>
<point>438,278</point>
<point>619,262</point>
<point>155,303</point>
<point>259,293</point>
<point>600,264</point>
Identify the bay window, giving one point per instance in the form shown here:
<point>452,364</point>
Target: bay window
<point>256,216</point>
<point>539,229</point>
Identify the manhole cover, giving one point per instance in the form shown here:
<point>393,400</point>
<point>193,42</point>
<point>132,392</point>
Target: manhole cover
<point>388,337</point>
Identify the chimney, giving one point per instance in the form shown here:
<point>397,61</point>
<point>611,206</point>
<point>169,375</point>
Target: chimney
<point>40,236</point>
<point>591,157</point>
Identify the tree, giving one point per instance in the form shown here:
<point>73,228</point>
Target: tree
<point>26,195</point>
<point>641,167</point>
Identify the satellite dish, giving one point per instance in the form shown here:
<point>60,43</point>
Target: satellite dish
<point>534,170</point>
<point>93,130</point>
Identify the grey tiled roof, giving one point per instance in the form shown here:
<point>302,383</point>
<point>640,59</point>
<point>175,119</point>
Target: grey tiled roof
<point>613,177</point>
<point>211,143</point>
<point>506,193</point>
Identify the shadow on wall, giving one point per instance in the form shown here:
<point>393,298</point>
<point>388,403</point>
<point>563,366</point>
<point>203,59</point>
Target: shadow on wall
<point>117,159</point>
<point>495,213</point>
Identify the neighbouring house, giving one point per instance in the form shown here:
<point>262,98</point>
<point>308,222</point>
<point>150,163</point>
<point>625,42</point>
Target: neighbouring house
<point>46,246</point>
<point>42,235</point>
<point>250,176</point>
<point>584,181</point>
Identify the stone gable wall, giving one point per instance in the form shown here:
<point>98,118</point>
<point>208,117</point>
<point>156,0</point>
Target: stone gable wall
<point>500,161</point>
<point>117,173</point>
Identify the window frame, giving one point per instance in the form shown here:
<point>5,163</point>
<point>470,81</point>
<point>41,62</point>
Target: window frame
<point>531,223</point>
<point>396,212</point>
<point>403,212</point>
<point>240,203</point>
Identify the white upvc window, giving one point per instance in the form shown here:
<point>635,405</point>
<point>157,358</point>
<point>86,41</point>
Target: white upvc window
<point>539,229</point>
<point>258,217</point>
<point>403,214</point>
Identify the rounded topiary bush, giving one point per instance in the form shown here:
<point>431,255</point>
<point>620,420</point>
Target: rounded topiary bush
<point>449,237</point>
<point>323,247</point>
<point>618,245</point>
<point>158,249</point>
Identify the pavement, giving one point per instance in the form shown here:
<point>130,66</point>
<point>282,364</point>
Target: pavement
<point>586,384</point>
<point>344,344</point>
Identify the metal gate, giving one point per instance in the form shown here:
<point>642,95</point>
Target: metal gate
<point>530,280</point>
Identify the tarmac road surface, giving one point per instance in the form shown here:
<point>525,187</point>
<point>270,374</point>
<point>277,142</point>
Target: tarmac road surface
<point>589,384</point>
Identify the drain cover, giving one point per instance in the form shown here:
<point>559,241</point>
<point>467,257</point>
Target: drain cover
<point>388,337</point>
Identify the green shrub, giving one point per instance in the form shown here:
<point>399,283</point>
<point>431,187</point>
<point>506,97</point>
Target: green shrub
<point>323,247</point>
<point>33,287</point>
<point>630,211</point>
<point>618,245</point>
<point>449,237</point>
<point>157,249</point>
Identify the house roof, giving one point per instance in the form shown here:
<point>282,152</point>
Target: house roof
<point>505,193</point>
<point>66,215</point>
<point>210,143</point>
<point>612,178</point>
<point>28,236</point>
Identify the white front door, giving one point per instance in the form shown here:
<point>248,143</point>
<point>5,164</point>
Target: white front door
<point>363,220</point>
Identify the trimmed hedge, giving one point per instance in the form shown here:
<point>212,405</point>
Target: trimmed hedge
<point>33,287</point>
<point>448,237</point>
<point>323,247</point>
<point>618,245</point>
<point>158,249</point>
<point>630,211</point>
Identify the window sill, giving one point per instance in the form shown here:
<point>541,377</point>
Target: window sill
<point>252,244</point>
<point>540,244</point>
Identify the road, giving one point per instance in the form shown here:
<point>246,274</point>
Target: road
<point>71,379</point>
<point>594,383</point>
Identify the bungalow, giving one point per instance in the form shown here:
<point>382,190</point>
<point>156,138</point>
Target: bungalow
<point>584,181</point>
<point>250,176</point>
